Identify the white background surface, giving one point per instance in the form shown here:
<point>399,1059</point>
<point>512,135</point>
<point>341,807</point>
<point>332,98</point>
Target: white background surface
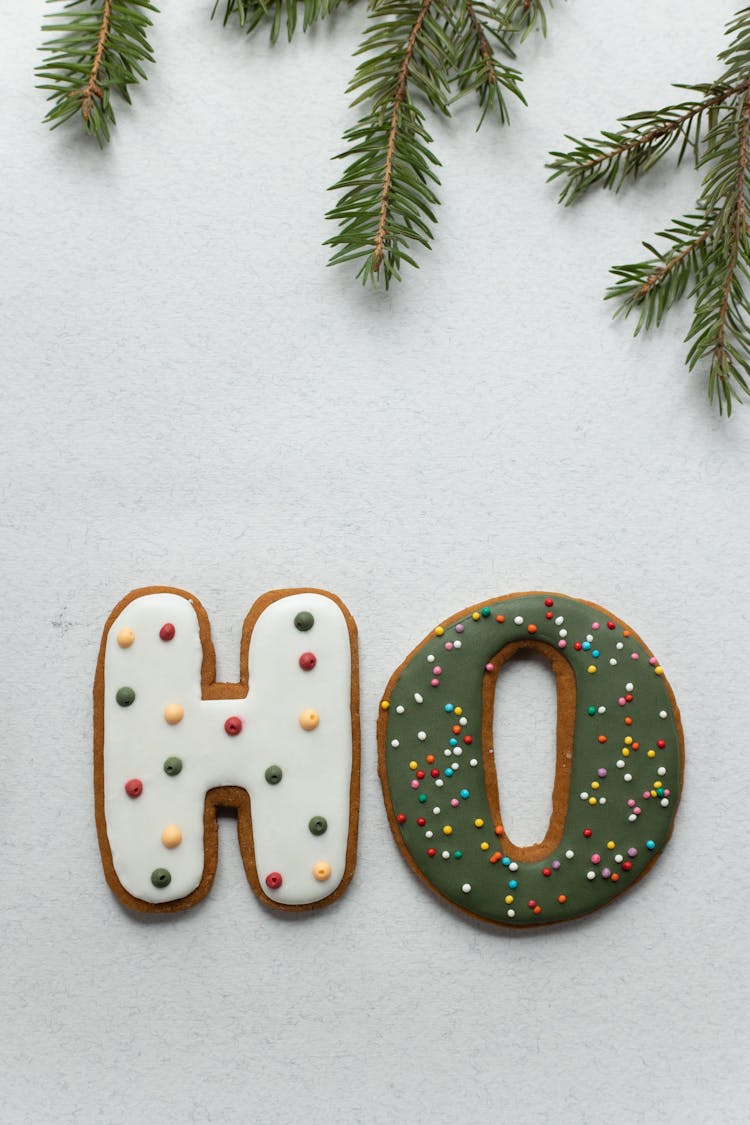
<point>195,400</point>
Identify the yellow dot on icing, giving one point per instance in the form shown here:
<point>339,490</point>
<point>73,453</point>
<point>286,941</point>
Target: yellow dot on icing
<point>173,713</point>
<point>385,705</point>
<point>484,846</point>
<point>594,784</point>
<point>651,754</point>
<point>592,800</point>
<point>509,899</point>
<point>475,616</point>
<point>322,871</point>
<point>610,844</point>
<point>413,765</point>
<point>591,669</point>
<point>308,720</point>
<point>439,631</point>
<point>447,830</point>
<point>125,638</point>
<point>628,741</point>
<point>479,823</point>
<point>171,836</point>
<point>458,711</point>
<point>625,752</point>
<point>659,670</point>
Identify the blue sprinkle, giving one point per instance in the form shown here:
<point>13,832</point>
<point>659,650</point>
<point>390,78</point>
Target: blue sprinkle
<point>448,772</point>
<point>650,845</point>
<point>585,646</point>
<point>595,652</point>
<point>464,793</point>
<point>449,707</point>
<point>506,861</point>
<point>513,883</point>
<point>453,742</point>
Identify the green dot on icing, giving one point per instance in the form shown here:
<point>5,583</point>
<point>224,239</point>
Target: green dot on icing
<point>318,825</point>
<point>172,766</point>
<point>591,710</point>
<point>274,775</point>
<point>304,621</point>
<point>125,696</point>
<point>160,877</point>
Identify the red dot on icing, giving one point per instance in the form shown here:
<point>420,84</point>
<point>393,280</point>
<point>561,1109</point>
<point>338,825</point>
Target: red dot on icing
<point>167,631</point>
<point>401,818</point>
<point>587,833</point>
<point>307,661</point>
<point>274,880</point>
<point>233,725</point>
<point>134,787</point>
<point>548,601</point>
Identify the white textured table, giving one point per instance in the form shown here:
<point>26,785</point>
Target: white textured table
<point>195,400</point>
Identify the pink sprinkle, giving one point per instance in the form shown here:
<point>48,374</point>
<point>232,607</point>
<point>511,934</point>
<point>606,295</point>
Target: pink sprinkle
<point>596,858</point>
<point>666,792</point>
<point>631,802</point>
<point>653,660</point>
<point>448,646</point>
<point>621,700</point>
<point>602,772</point>
<point>459,628</point>
<point>646,795</point>
<point>454,802</point>
<point>637,811</point>
<point>489,667</point>
<point>415,784</point>
<point>438,671</point>
<point>434,683</point>
<point>562,644</point>
<point>555,864</point>
<point>634,656</point>
<point>595,625</point>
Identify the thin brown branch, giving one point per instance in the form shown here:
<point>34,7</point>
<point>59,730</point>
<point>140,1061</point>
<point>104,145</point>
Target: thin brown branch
<point>658,276</point>
<point>484,48</point>
<point>92,88</point>
<point>739,229</point>
<point>399,95</point>
<point>663,130</point>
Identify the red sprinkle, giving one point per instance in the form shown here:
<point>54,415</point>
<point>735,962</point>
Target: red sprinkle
<point>587,832</point>
<point>431,852</point>
<point>546,871</point>
<point>421,821</point>
<point>661,744</point>
<point>401,818</point>
<point>548,602</point>
<point>307,661</point>
<point>274,880</point>
<point>468,739</point>
<point>610,624</point>
<point>167,631</point>
<point>134,787</point>
<point>233,726</point>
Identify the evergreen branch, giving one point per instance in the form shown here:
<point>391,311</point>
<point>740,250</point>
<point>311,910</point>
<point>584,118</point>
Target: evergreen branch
<point>646,138</point>
<point>521,17</point>
<point>96,46</point>
<point>278,14</point>
<point>478,69</point>
<point>389,184</point>
<point>707,256</point>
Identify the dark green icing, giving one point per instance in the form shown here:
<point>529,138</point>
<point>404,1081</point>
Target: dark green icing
<point>125,696</point>
<point>318,825</point>
<point>461,681</point>
<point>173,766</point>
<point>304,621</point>
<point>274,775</point>
<point>160,877</point>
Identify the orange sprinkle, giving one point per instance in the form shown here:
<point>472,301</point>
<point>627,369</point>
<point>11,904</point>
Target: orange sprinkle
<point>499,829</point>
<point>532,629</point>
<point>602,738</point>
<point>628,721</point>
<point>537,910</point>
<point>500,619</point>
<point>456,730</point>
<point>614,877</point>
<point>496,857</point>
<point>562,898</point>
<point>430,759</point>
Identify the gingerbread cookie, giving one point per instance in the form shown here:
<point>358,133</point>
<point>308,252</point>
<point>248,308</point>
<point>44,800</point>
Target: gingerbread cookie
<point>618,773</point>
<point>281,747</point>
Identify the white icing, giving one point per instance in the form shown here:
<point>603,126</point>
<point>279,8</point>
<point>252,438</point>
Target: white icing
<point>316,764</point>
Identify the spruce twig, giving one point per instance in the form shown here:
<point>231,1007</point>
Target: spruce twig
<point>706,254</point>
<point>95,47</point>
<point>276,14</point>
<point>419,53</point>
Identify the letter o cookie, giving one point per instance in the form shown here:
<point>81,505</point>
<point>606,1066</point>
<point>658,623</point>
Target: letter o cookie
<point>618,773</point>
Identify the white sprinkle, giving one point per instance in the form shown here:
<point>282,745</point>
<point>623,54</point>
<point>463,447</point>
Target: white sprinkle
<point>458,751</point>
<point>518,620</point>
<point>455,766</point>
<point>619,645</point>
<point>439,782</point>
<point>436,811</point>
<point>661,771</point>
<point>446,855</point>
<point>421,735</point>
<point>662,714</point>
<point>430,659</point>
<point>612,661</point>
<point>664,802</point>
<point>584,796</point>
<point>463,721</point>
<point>602,800</point>
<point>589,637</point>
<point>628,687</point>
<point>628,777</point>
<point>418,697</point>
<point>513,866</point>
<point>400,709</point>
<point>559,620</point>
<point>395,743</point>
<point>618,858</point>
<point>563,632</point>
<point>511,913</point>
<point>602,710</point>
<point>632,817</point>
<point>429,834</point>
<point>456,644</point>
<point>466,888</point>
<point>569,853</point>
<point>473,762</point>
<point>591,874</point>
<point>447,752</point>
